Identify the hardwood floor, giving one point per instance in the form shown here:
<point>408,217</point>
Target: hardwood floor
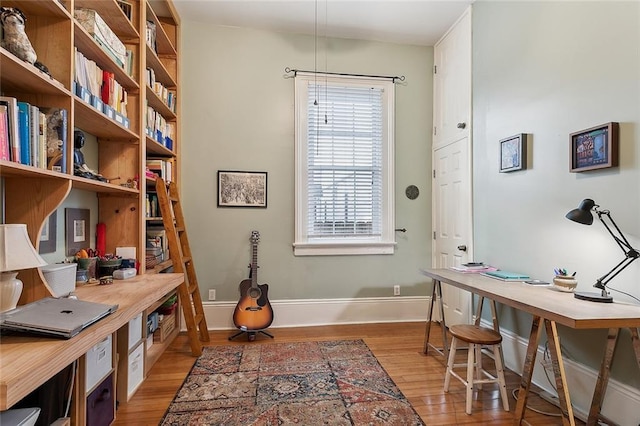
<point>398,348</point>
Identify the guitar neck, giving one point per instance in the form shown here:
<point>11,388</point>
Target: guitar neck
<point>254,266</point>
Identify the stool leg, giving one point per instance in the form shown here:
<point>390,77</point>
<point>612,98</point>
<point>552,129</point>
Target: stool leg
<point>470,357</point>
<point>497,352</point>
<point>478,365</point>
<point>450,361</point>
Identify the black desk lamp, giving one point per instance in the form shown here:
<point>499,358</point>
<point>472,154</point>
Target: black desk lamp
<point>583,215</point>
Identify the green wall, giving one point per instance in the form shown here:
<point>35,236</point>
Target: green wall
<point>238,114</point>
<point>549,69</point>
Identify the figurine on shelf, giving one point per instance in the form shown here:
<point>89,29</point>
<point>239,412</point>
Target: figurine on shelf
<point>80,168</point>
<point>14,37</point>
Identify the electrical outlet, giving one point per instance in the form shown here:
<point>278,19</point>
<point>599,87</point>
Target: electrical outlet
<point>396,290</point>
<point>212,294</point>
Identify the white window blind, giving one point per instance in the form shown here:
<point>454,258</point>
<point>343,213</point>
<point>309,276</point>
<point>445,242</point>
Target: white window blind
<point>344,156</point>
<point>344,196</point>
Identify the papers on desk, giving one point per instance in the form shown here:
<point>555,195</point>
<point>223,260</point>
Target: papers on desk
<point>506,276</point>
<point>473,268</point>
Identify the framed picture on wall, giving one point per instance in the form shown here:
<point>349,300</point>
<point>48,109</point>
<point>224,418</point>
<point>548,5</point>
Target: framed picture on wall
<point>594,148</point>
<point>48,235</point>
<point>242,189</point>
<point>513,153</point>
<point>76,230</point>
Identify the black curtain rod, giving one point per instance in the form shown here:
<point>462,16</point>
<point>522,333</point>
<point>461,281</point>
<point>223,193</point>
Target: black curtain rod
<point>393,79</point>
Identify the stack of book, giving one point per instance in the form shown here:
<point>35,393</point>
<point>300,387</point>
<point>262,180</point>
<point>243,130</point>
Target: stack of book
<point>473,268</point>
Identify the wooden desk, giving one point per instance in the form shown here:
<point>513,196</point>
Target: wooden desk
<point>551,307</point>
<point>26,362</point>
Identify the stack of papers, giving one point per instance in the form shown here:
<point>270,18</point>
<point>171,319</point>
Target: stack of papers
<point>506,276</point>
<point>474,267</point>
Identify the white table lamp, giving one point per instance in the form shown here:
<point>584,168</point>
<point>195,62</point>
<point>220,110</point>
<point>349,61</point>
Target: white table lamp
<point>16,253</point>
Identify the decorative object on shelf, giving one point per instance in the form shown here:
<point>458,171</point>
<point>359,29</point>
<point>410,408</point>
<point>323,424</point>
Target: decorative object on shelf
<point>107,265</point>
<point>513,153</point>
<point>594,148</point>
<point>76,230</point>
<point>412,192</point>
<point>242,189</point>
<point>15,39</point>
<point>584,216</point>
<point>80,168</point>
<point>48,238</point>
<point>16,253</point>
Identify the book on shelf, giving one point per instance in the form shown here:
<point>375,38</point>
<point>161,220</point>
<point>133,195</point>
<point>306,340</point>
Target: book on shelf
<point>24,112</point>
<point>13,127</point>
<point>4,133</point>
<point>34,135</point>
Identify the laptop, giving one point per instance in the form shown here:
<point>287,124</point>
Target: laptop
<point>61,317</point>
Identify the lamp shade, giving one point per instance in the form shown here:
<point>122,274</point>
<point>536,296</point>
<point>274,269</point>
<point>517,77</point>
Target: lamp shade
<point>16,250</point>
<point>583,213</point>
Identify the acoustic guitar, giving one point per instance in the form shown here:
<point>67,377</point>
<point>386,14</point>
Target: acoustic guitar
<point>253,311</point>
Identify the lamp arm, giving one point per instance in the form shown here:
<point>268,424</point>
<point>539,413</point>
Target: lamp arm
<point>620,238</point>
<point>603,280</point>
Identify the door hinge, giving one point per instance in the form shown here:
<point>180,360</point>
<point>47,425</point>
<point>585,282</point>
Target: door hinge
<point>435,69</point>
<point>435,131</point>
<point>434,235</point>
<point>434,173</point>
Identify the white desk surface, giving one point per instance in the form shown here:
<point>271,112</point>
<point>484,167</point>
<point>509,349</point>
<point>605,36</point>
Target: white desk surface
<point>543,301</point>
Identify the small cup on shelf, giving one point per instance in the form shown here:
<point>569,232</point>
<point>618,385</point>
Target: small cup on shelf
<point>567,283</point>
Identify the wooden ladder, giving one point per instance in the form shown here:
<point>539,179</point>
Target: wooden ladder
<point>169,201</point>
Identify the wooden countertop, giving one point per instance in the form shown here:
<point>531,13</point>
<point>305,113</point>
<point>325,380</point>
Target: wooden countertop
<point>543,301</point>
<point>27,362</point>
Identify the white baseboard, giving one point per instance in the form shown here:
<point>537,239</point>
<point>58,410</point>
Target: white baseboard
<point>309,312</point>
<point>620,403</point>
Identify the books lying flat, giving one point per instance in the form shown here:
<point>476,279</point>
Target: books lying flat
<point>506,276</point>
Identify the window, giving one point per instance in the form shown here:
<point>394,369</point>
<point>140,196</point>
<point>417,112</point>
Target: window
<point>344,165</point>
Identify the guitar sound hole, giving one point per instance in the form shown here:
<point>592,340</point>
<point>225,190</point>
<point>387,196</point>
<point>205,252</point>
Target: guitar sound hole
<point>254,293</point>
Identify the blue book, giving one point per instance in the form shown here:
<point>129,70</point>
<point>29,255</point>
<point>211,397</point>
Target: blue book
<point>24,126</point>
<point>506,276</point>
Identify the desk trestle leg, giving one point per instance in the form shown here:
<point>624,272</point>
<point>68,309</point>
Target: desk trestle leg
<point>527,370</point>
<point>436,294</point>
<point>559,373</point>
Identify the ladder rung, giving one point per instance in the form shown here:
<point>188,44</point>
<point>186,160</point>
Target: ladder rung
<point>180,228</point>
<point>193,289</point>
<point>186,259</point>
<point>174,199</point>
<point>198,318</point>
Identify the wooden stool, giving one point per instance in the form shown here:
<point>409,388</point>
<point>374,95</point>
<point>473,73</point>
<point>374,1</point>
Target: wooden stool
<point>476,337</point>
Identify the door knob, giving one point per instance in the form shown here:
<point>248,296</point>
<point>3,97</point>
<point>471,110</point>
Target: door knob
<point>461,125</point>
<point>462,248</point>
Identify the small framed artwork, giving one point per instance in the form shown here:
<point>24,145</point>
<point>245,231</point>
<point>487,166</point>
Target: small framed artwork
<point>76,230</point>
<point>594,148</point>
<point>513,153</point>
<point>48,235</point>
<point>242,189</point>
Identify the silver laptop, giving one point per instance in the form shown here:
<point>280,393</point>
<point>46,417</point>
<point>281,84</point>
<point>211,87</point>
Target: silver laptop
<point>55,317</point>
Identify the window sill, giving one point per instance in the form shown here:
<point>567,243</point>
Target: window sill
<point>342,248</point>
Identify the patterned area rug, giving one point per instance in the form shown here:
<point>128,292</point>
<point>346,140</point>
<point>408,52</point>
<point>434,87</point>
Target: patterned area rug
<point>309,383</point>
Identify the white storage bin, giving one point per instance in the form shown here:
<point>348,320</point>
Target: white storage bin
<point>136,370</point>
<point>98,362</point>
<point>61,277</point>
<point>135,330</point>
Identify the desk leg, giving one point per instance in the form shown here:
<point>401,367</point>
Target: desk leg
<point>603,376</point>
<point>527,371</point>
<point>436,294</point>
<point>559,373</point>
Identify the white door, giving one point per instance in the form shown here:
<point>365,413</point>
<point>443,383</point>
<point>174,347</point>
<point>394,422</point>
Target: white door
<point>452,227</point>
<point>452,213</point>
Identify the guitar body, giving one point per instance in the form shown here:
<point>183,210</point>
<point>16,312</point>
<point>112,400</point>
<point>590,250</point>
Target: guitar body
<point>253,311</point>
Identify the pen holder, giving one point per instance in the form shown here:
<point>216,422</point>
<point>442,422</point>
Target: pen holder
<point>566,283</point>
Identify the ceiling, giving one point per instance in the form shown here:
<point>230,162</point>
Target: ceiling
<point>419,22</point>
